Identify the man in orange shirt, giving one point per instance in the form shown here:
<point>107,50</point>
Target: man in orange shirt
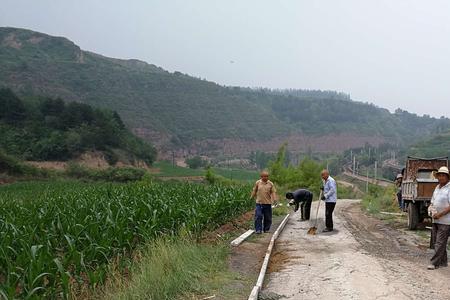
<point>265,193</point>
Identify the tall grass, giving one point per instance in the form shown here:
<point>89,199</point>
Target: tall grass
<point>170,267</point>
<point>347,192</point>
<point>380,199</point>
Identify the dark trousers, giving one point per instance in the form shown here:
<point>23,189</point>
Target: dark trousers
<point>263,217</point>
<point>400,201</point>
<point>439,239</point>
<point>329,208</point>
<point>305,208</point>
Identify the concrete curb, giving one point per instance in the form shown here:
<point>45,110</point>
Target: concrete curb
<point>242,237</point>
<point>257,288</point>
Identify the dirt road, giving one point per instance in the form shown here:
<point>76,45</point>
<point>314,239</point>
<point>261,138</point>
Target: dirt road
<point>362,259</point>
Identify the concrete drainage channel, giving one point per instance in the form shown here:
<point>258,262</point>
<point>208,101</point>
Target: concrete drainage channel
<point>257,288</point>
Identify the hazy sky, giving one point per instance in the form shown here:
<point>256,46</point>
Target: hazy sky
<point>394,53</point>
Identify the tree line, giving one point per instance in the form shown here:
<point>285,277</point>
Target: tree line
<point>51,129</point>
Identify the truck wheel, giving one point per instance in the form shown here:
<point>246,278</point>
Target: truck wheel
<point>413,216</point>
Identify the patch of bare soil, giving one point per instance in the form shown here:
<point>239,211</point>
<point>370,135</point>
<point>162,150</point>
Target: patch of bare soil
<point>6,180</point>
<point>138,164</point>
<point>282,255</point>
<point>376,236</point>
<point>11,41</point>
<point>49,165</point>
<point>92,160</point>
<point>181,163</point>
<point>246,259</point>
<point>235,227</point>
<point>35,39</point>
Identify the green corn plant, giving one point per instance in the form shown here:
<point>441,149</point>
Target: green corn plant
<point>52,233</point>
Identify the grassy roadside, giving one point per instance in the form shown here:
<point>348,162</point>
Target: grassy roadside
<point>384,200</point>
<point>382,204</point>
<point>380,200</point>
<point>184,268</point>
<point>347,192</point>
<point>174,269</point>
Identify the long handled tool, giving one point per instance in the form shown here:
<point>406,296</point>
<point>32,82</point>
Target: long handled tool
<point>313,229</point>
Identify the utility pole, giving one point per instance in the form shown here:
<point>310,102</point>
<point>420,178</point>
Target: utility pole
<point>230,169</point>
<point>367,181</point>
<point>376,169</point>
<point>173,159</point>
<point>354,165</point>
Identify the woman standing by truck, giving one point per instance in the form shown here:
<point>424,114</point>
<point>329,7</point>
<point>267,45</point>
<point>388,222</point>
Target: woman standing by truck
<point>439,210</point>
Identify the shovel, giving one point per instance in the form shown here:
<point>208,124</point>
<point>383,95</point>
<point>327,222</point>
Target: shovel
<point>313,229</point>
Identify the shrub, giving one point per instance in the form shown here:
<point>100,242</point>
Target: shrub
<point>12,166</point>
<point>196,162</point>
<point>116,174</point>
<point>380,199</point>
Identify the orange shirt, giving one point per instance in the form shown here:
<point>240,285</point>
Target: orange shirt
<point>263,191</point>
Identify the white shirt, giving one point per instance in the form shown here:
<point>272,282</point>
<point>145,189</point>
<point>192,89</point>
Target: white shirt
<point>440,201</point>
<point>329,190</point>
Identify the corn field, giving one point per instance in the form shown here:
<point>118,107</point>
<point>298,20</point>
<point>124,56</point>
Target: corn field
<point>55,237</point>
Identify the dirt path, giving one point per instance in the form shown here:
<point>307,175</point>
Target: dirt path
<point>362,259</point>
<point>380,182</point>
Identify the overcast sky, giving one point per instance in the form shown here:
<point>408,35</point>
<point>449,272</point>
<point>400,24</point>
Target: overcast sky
<point>391,53</point>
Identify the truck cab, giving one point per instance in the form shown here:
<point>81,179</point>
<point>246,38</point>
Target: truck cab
<point>418,185</point>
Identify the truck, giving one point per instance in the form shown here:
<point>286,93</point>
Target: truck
<point>418,184</point>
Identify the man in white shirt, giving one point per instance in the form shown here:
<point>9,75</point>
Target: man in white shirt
<point>439,210</point>
<point>329,195</point>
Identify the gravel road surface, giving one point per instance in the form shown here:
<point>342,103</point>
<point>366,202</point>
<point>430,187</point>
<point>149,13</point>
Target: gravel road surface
<point>362,259</point>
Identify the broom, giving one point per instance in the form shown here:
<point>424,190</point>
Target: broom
<point>313,229</point>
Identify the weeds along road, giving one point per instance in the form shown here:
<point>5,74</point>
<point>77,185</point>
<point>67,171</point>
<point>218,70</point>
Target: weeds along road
<point>362,259</point>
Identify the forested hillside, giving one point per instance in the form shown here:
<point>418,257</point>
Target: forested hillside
<point>50,129</point>
<point>435,146</point>
<point>177,111</point>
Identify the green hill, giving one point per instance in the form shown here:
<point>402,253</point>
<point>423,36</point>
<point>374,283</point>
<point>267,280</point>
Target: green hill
<point>435,146</point>
<point>177,111</point>
<point>50,129</point>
